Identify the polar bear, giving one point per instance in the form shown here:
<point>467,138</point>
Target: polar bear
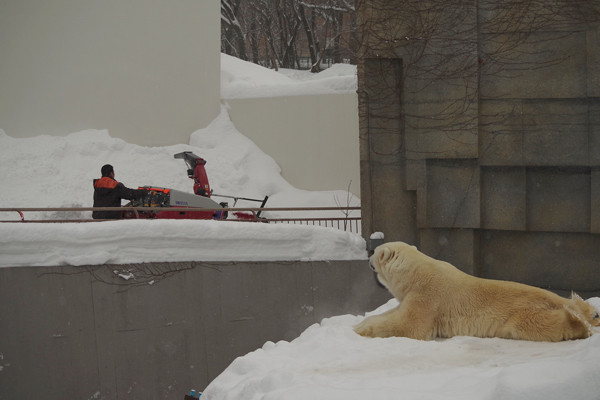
<point>438,300</point>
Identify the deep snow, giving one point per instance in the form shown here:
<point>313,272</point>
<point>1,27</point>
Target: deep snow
<point>49,171</point>
<point>328,361</point>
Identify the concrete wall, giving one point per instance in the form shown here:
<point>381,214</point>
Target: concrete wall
<point>148,71</point>
<point>84,332</point>
<point>481,146</point>
<point>314,139</point>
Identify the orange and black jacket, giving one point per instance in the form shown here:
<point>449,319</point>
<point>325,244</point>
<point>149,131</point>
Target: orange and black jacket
<point>108,193</point>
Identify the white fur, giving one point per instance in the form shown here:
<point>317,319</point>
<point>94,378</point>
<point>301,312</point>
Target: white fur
<point>438,300</point>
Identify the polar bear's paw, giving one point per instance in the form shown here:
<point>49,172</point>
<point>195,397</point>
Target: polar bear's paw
<point>366,328</point>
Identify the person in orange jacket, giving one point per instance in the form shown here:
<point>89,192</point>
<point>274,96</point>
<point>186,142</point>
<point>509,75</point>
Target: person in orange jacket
<point>108,193</point>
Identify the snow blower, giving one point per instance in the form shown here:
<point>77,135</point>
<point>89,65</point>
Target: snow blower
<point>163,198</point>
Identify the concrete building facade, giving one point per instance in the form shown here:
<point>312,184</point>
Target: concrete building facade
<point>480,134</point>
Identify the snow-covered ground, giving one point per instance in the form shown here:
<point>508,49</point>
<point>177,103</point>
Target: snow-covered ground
<point>328,361</point>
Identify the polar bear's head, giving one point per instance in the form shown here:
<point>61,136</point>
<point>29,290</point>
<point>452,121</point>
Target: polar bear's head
<point>387,259</point>
<point>584,312</point>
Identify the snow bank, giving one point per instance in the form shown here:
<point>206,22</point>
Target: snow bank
<point>57,171</point>
<point>240,79</point>
<point>134,241</point>
<point>330,361</point>
<point>50,171</point>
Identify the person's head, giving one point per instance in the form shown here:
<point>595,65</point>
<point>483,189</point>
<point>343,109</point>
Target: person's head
<point>107,170</point>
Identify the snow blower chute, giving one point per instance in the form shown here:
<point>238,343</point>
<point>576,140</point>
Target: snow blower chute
<point>163,198</point>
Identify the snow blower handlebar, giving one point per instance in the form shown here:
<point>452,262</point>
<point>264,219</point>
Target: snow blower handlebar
<point>236,198</point>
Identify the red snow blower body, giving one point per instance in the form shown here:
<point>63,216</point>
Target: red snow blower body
<point>163,198</point>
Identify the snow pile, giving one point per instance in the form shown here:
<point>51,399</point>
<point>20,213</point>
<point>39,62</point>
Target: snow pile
<point>134,241</point>
<point>48,171</point>
<point>240,79</point>
<point>330,361</point>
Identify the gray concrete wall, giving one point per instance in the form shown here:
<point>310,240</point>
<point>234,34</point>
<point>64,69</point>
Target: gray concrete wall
<point>148,71</point>
<point>84,332</point>
<point>314,139</point>
<point>479,135</point>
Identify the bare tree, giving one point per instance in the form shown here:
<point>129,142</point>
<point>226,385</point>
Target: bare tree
<point>283,33</point>
<point>233,37</point>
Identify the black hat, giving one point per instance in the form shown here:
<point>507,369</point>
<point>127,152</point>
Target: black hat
<point>106,170</point>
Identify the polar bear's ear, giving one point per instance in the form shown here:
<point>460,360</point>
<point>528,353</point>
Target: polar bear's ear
<point>578,318</point>
<point>385,254</point>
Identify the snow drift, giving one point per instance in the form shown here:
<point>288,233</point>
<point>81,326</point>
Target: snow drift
<point>330,361</point>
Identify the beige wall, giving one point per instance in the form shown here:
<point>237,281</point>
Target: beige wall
<point>146,70</point>
<point>314,139</point>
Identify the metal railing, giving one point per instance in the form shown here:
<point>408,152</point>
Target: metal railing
<point>345,222</point>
